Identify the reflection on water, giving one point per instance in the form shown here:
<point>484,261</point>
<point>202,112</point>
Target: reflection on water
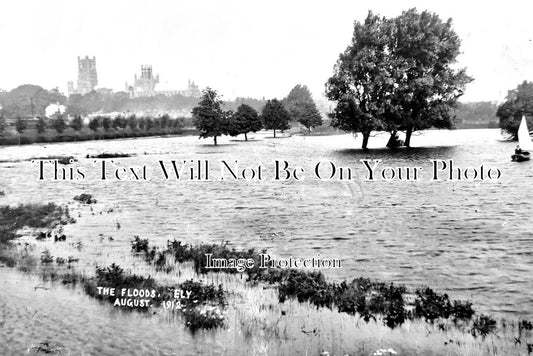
<point>472,239</point>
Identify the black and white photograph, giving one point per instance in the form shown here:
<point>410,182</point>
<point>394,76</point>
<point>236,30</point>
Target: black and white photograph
<point>342,178</point>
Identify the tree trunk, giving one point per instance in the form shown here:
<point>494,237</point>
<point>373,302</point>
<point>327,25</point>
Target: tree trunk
<point>245,136</point>
<point>274,133</point>
<point>408,133</point>
<point>215,140</point>
<point>394,141</point>
<point>366,136</point>
<point>309,129</point>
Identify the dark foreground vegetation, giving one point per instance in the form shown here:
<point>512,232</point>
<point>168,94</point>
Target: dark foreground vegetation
<point>203,309</point>
<point>46,216</point>
<point>370,299</point>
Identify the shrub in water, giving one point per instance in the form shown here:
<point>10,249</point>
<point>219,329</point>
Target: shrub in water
<point>139,245</point>
<point>206,316</point>
<point>85,198</point>
<point>483,325</point>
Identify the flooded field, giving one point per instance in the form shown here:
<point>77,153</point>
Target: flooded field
<point>469,238</point>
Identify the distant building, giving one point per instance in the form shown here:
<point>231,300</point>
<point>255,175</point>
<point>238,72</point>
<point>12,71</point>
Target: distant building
<point>144,86</point>
<point>87,77</point>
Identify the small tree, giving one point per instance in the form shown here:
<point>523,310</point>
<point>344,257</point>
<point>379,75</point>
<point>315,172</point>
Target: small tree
<point>20,125</point>
<point>177,123</point>
<point>94,124</point>
<point>299,95</point>
<point>142,122</point>
<point>156,123</point>
<point>106,123</point>
<point>148,123</point>
<point>275,117</point>
<point>245,120</point>
<point>77,123</point>
<point>307,114</point>
<point>132,122</point>
<point>59,124</point>
<point>41,125</point>
<point>116,123</point>
<point>208,116</point>
<point>300,105</point>
<point>165,121</point>
<point>2,125</point>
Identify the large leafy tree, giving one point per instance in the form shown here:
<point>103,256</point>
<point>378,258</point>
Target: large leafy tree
<point>133,123</point>
<point>244,120</point>
<point>208,116</point>
<point>397,75</point>
<point>429,86</point>
<point>518,102</point>
<point>275,117</point>
<point>363,80</point>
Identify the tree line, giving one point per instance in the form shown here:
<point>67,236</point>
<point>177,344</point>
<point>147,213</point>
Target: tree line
<point>211,116</point>
<point>99,126</point>
<point>211,120</point>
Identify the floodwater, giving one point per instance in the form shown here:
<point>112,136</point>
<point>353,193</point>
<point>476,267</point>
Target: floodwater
<point>470,238</point>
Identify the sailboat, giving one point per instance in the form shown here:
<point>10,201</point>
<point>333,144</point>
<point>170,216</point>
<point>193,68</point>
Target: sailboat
<point>524,141</point>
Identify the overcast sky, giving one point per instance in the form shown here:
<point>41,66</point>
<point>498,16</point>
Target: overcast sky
<point>241,48</point>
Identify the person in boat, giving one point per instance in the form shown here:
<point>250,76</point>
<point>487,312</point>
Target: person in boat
<point>517,150</point>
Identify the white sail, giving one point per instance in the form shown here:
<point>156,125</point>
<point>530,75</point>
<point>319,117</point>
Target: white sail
<point>524,139</point>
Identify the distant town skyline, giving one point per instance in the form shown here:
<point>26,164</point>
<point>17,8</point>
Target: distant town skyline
<point>241,49</point>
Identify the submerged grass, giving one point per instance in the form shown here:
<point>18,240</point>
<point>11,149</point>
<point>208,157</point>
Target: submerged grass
<point>367,298</point>
<point>203,309</point>
<point>15,218</point>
